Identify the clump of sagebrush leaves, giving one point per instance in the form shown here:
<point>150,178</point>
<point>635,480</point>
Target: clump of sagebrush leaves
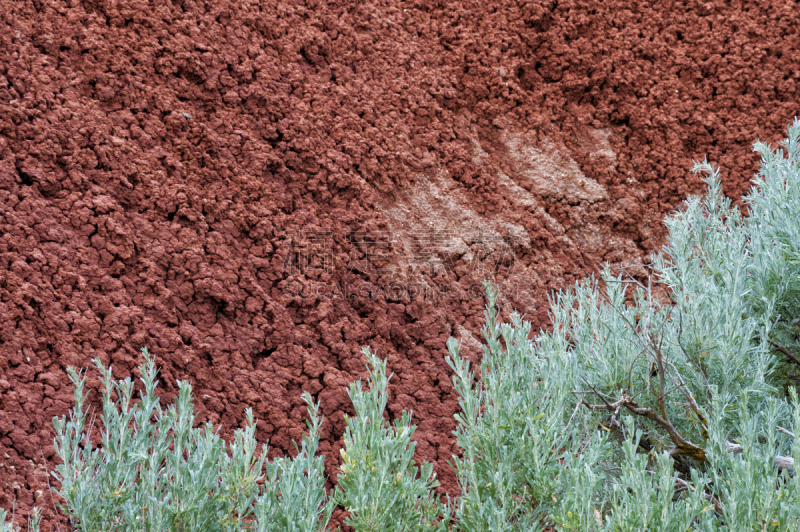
<point>155,470</point>
<point>633,413</point>
<point>379,484</point>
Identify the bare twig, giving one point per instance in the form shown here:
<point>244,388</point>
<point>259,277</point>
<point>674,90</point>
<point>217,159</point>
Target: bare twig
<point>632,280</point>
<point>690,359</point>
<point>574,412</point>
<point>633,364</point>
<point>662,404</point>
<point>785,351</point>
<point>690,397</point>
<point>708,496</point>
<point>595,392</point>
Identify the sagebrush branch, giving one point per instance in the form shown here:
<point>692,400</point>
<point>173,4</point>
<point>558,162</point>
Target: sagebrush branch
<point>785,351</point>
<point>682,445</point>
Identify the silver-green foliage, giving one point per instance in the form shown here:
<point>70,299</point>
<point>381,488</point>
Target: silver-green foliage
<point>7,525</point>
<point>701,371</point>
<point>156,471</point>
<point>295,496</point>
<point>379,485</point>
<point>644,495</point>
<point>513,430</point>
<point>775,238</point>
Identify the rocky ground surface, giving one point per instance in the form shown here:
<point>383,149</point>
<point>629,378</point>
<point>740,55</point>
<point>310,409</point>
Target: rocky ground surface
<point>255,191</point>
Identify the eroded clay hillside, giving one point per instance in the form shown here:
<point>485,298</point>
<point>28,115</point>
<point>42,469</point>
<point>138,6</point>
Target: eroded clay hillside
<point>255,191</point>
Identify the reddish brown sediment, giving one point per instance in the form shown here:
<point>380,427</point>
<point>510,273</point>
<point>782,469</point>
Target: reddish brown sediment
<point>256,191</point>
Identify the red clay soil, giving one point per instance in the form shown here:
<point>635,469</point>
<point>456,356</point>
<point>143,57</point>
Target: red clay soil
<point>256,191</point>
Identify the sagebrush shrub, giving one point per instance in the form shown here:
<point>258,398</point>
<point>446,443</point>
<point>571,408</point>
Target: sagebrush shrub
<point>379,484</point>
<point>156,471</point>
